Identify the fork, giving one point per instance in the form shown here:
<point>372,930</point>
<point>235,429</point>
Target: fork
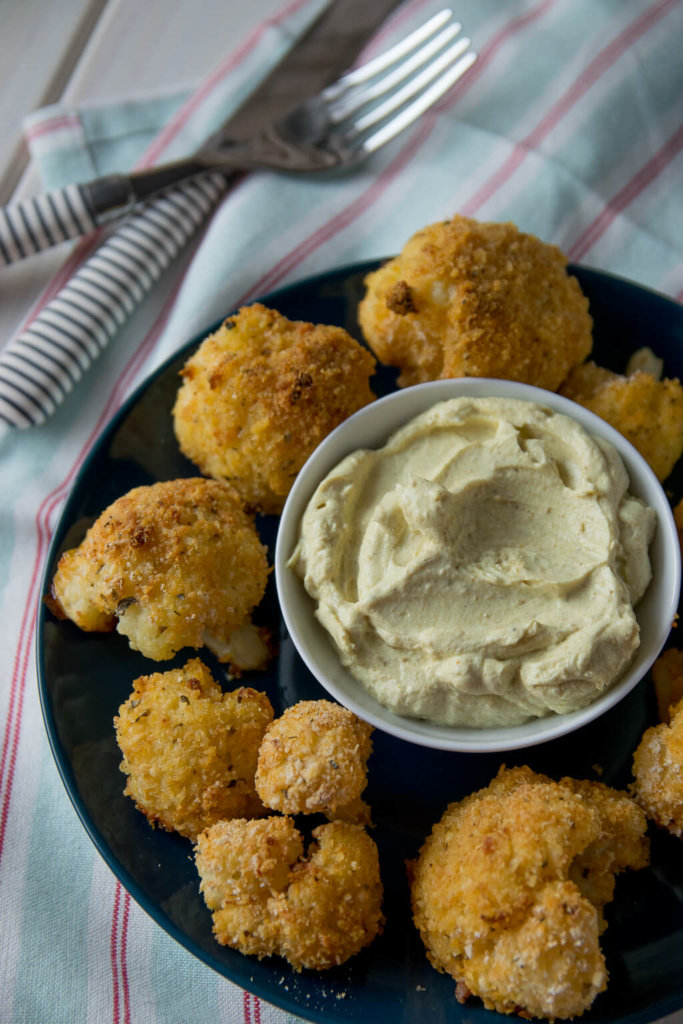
<point>344,124</point>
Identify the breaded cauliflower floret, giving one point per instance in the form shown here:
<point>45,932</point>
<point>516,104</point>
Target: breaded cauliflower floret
<point>658,771</point>
<point>470,299</point>
<point>508,890</point>
<point>333,904</point>
<point>243,865</point>
<point>190,750</point>
<point>268,900</point>
<point>261,393</point>
<point>313,760</point>
<point>175,564</point>
<point>647,411</point>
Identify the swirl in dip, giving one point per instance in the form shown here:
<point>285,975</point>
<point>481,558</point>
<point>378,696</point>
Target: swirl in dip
<point>482,567</point>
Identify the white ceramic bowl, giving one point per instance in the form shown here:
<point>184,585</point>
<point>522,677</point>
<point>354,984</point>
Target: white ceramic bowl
<point>370,428</point>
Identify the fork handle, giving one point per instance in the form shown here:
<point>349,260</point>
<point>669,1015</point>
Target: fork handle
<point>48,219</point>
<point>41,365</point>
<point>44,221</point>
<point>39,223</point>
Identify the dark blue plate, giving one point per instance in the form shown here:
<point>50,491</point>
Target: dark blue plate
<point>83,679</point>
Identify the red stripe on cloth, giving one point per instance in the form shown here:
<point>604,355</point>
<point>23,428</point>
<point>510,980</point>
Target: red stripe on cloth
<point>12,725</point>
<point>55,124</point>
<point>587,78</point>
<point>116,999</point>
<point>117,952</point>
<point>638,183</point>
<point>123,951</point>
<point>20,669</point>
<point>417,138</point>
<point>257,1010</point>
<point>246,1007</point>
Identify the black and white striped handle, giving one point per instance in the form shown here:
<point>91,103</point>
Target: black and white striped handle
<point>41,365</point>
<point>40,223</point>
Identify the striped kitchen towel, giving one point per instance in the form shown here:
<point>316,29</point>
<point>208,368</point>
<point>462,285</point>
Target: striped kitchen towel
<point>569,125</point>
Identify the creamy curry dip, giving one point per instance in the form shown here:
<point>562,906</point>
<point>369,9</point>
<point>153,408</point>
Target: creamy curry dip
<point>482,567</point>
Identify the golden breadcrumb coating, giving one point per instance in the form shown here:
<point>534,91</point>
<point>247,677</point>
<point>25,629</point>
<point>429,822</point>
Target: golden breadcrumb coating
<point>190,750</point>
<point>261,393</point>
<point>508,890</point>
<point>658,772</point>
<point>267,899</point>
<point>647,411</point>
<point>313,760</point>
<point>470,299</point>
<point>175,564</point>
<point>667,675</point>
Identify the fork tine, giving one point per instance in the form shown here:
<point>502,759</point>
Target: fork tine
<point>392,56</point>
<point>413,88</point>
<point>359,97</point>
<point>418,107</point>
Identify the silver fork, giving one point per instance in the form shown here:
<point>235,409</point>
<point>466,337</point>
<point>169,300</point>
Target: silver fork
<point>342,125</point>
<point>345,123</point>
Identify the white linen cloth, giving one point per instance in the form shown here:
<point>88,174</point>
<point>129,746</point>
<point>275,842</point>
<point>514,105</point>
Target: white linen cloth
<point>570,125</point>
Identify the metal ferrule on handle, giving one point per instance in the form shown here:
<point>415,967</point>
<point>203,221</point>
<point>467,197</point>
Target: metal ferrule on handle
<point>41,365</point>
